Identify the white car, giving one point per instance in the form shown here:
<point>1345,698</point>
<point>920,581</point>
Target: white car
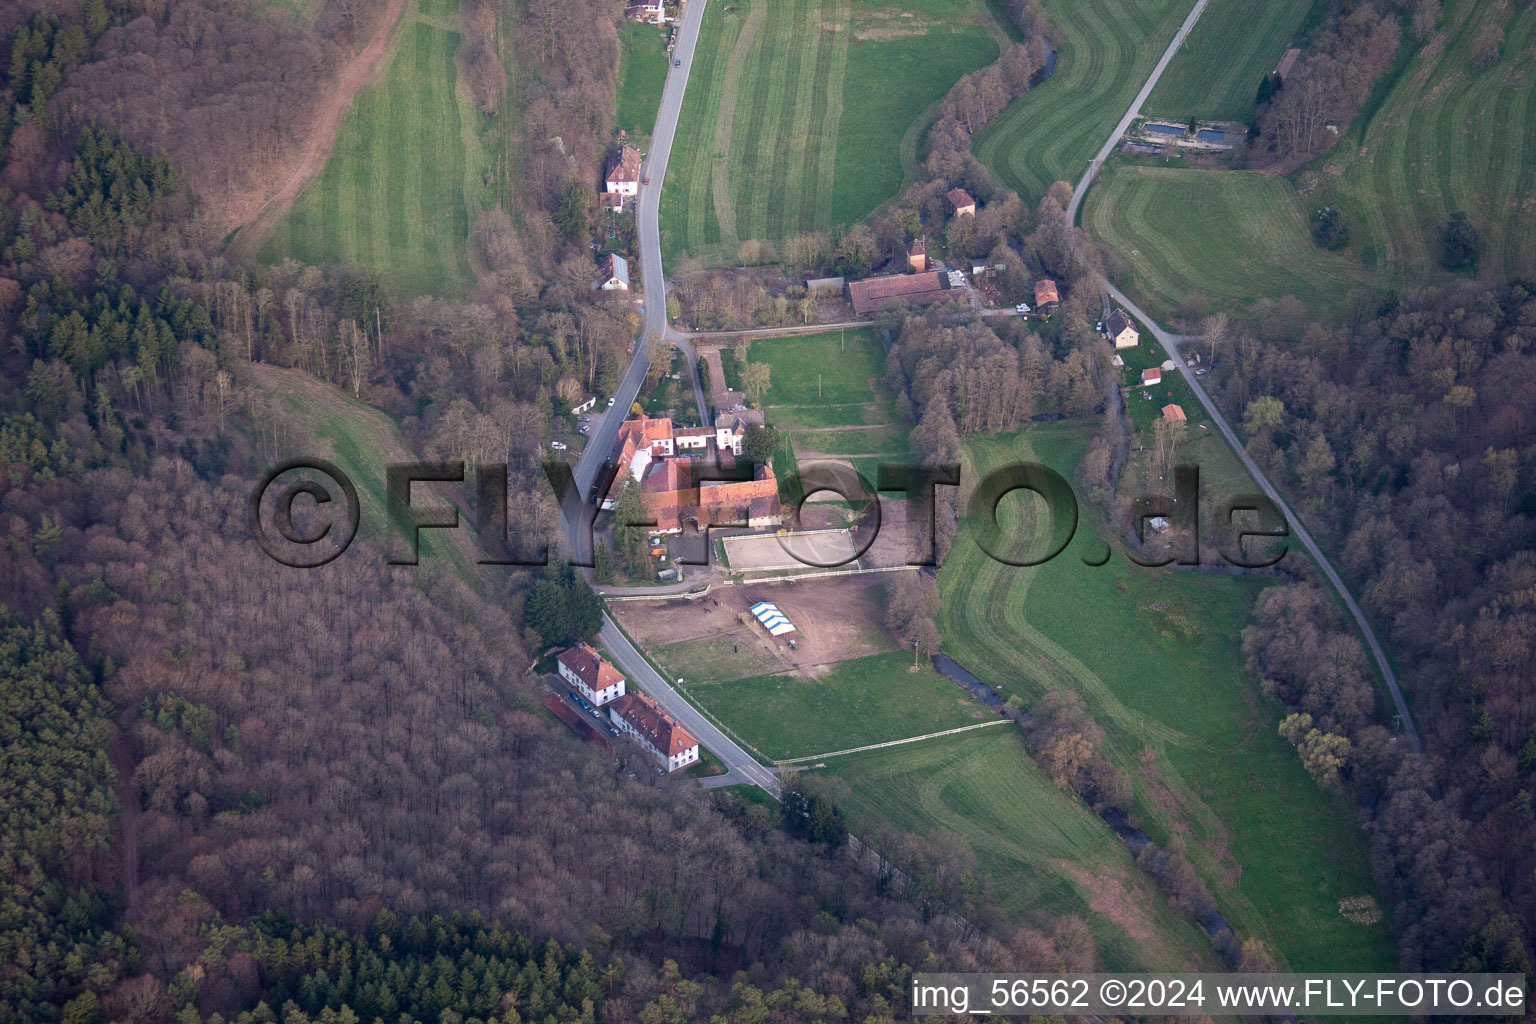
<point>558,446</point>
<point>610,403</point>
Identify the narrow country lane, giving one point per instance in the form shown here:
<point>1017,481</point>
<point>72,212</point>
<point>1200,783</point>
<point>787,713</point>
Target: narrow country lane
<point>743,767</point>
<point>1170,343</point>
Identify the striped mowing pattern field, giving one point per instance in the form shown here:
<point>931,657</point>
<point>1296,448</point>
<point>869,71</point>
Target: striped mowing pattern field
<point>796,111</point>
<point>1216,73</point>
<point>1155,656</point>
<point>1107,50</point>
<point>391,198</point>
<point>1450,136</point>
<point>1039,847</point>
<point>760,123</point>
<point>1199,241</point>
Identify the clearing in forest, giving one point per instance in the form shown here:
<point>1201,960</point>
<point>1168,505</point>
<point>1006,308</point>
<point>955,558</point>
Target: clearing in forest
<point>395,195</point>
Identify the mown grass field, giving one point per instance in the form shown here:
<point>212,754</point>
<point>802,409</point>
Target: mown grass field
<point>395,195</point>
<point>1197,241</point>
<point>1449,136</point>
<point>796,111</point>
<point>824,393</point>
<point>362,441</point>
<point>1107,50</point>
<point>1042,850</point>
<point>642,76</point>
<point>850,704</point>
<point>1154,653</point>
<point>1216,73</point>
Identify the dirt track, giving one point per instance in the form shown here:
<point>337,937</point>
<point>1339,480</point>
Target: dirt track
<point>322,136</point>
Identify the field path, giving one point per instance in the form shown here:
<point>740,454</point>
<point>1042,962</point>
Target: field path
<point>322,136</point>
<point>893,743</point>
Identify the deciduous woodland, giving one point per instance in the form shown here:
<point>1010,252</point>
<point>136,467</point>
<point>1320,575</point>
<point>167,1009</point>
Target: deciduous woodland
<point>237,792</point>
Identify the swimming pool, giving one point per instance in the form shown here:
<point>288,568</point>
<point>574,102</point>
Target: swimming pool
<point>1166,129</point>
<point>1212,135</point>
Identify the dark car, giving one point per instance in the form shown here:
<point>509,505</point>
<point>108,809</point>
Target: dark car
<point>677,63</point>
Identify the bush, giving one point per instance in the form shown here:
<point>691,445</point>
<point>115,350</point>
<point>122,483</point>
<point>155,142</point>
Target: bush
<point>1329,229</point>
<point>1458,242</point>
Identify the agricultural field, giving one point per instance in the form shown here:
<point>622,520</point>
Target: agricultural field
<point>396,193</point>
<point>836,707</point>
<point>1043,852</point>
<point>1194,241</point>
<point>1154,653</point>
<point>797,110</point>
<point>1050,133</point>
<point>642,76</point>
<point>1448,136</point>
<point>1235,44</point>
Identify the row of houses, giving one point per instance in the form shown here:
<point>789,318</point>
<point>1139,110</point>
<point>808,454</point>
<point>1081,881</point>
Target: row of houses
<point>661,457</point>
<point>633,714</point>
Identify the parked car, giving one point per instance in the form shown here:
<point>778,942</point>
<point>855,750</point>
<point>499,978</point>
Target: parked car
<point>558,446</point>
<point>647,181</point>
<point>610,400</point>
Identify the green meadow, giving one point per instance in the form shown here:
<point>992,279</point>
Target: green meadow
<point>1107,50</point>
<point>1154,653</point>
<point>1235,44</point>
<point>797,110</point>
<point>395,195</point>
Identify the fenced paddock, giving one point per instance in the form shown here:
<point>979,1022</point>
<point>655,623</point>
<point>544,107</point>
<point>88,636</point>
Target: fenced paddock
<point>805,549</point>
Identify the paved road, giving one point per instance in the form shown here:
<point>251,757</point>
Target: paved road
<point>742,765</point>
<point>605,430</point>
<point>1133,112</point>
<point>743,769</point>
<point>1170,343</point>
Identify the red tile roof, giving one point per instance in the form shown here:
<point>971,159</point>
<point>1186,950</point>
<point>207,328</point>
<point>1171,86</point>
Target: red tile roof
<point>1151,375</point>
<point>870,294</point>
<point>1045,291</point>
<point>959,198</point>
<point>663,731</point>
<point>1172,411</point>
<point>624,165</point>
<point>589,667</point>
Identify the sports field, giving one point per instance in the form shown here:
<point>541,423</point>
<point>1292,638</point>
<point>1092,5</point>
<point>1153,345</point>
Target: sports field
<point>1197,241</point>
<point>1042,851</point>
<point>1216,73</point>
<point>796,111</point>
<point>1107,50</point>
<point>1154,653</point>
<point>394,195</point>
<point>825,396</point>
